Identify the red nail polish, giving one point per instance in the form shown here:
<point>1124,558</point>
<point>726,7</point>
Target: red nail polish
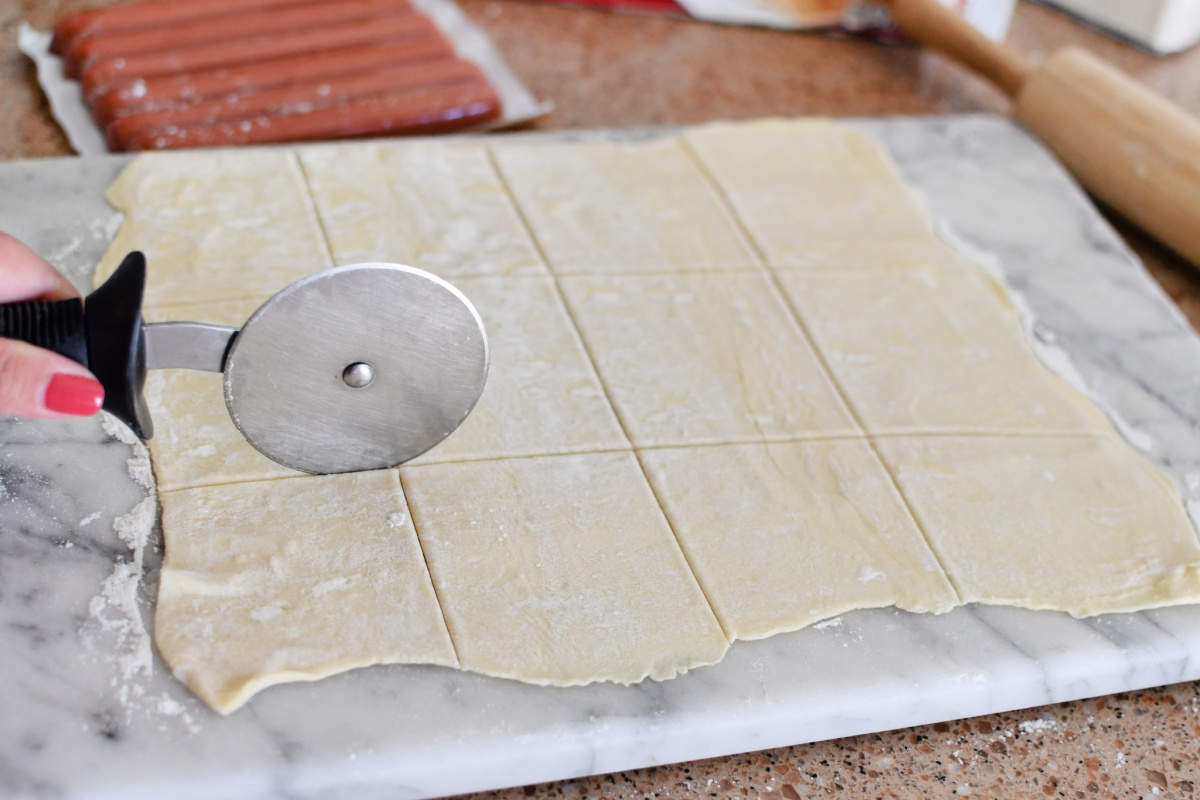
<point>74,394</point>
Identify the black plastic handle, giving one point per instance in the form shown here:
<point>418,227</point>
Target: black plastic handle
<point>103,333</point>
<point>52,324</point>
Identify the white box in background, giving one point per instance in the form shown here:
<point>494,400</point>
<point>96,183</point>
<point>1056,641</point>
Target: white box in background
<point>1164,26</point>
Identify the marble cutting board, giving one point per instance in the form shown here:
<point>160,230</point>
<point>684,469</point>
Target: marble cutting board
<point>88,710</point>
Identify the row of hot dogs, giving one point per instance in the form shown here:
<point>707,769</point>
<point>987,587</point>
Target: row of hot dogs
<point>196,73</point>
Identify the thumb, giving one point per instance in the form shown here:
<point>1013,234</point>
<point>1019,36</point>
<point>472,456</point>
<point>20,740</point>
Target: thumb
<point>38,383</point>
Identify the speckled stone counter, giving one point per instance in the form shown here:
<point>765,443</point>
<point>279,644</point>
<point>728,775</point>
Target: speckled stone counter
<point>617,71</point>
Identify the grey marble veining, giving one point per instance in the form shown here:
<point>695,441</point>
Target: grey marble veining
<point>86,711</point>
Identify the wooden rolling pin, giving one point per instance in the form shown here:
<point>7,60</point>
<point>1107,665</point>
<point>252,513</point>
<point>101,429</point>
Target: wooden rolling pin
<point>1132,149</point>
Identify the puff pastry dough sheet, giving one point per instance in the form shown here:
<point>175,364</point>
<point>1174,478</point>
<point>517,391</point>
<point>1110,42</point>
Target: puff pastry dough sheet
<point>1076,524</point>
<point>934,352</point>
<point>808,190</point>
<point>295,579</point>
<point>227,225</point>
<point>567,573</point>
<point>437,205</point>
<point>785,534</point>
<point>705,358</point>
<point>600,207</point>
<point>738,386</point>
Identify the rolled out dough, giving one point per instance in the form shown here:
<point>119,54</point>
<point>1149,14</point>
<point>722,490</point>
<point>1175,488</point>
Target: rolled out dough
<point>253,569</point>
<point>445,208</point>
<point>751,391</point>
<point>701,358</point>
<point>787,533</point>
<point>604,208</point>
<point>934,352</point>
<point>809,189</point>
<point>1076,524</point>
<point>216,226</point>
<point>591,586</point>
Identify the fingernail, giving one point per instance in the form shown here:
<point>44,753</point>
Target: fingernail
<point>74,394</point>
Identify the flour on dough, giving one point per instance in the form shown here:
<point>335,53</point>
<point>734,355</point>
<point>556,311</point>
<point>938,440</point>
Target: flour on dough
<point>786,534</point>
<point>704,359</point>
<point>439,206</point>
<point>542,394</point>
<point>560,570</point>
<point>605,208</point>
<point>919,352</point>
<point>814,193</point>
<point>1076,524</point>
<point>223,225</point>
<point>254,570</point>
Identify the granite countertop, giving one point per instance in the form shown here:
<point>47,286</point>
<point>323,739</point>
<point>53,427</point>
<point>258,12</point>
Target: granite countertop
<point>606,70</point>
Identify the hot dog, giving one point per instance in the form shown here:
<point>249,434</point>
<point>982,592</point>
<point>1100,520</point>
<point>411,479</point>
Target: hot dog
<point>298,98</point>
<point>168,90</point>
<point>427,110</point>
<point>226,27</point>
<point>80,25</point>
<point>108,71</point>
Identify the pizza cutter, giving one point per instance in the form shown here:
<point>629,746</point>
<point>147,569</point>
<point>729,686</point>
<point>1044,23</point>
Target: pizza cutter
<point>354,368</point>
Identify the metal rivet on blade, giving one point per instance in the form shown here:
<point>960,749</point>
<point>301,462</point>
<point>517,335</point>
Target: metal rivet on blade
<point>358,375</point>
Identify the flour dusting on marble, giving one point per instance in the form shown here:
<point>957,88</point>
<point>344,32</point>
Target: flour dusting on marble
<point>117,607</point>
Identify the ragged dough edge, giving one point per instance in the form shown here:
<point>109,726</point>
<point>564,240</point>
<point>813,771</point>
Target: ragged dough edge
<point>1178,586</point>
<point>662,669</point>
<point>1055,359</point>
<point>1060,363</point>
<point>234,694</point>
<point>1181,584</point>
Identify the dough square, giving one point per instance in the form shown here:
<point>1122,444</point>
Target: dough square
<point>542,395</point>
<point>195,443</point>
<point>1077,524</point>
<point>704,359</point>
<point>292,580</point>
<point>785,534</point>
<point>801,184</point>
<point>560,570</point>
<point>438,206</point>
<point>612,208</point>
<point>925,352</point>
<point>222,225</point>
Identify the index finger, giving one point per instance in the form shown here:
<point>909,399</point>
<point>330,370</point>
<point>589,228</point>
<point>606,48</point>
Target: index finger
<point>24,275</point>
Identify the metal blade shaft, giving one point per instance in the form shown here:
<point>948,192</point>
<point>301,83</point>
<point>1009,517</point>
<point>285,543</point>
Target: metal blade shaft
<point>187,345</point>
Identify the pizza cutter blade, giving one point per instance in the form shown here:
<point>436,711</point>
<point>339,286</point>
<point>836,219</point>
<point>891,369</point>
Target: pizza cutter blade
<point>354,368</point>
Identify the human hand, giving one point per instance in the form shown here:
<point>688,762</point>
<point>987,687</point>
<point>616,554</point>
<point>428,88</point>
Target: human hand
<point>36,382</point>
